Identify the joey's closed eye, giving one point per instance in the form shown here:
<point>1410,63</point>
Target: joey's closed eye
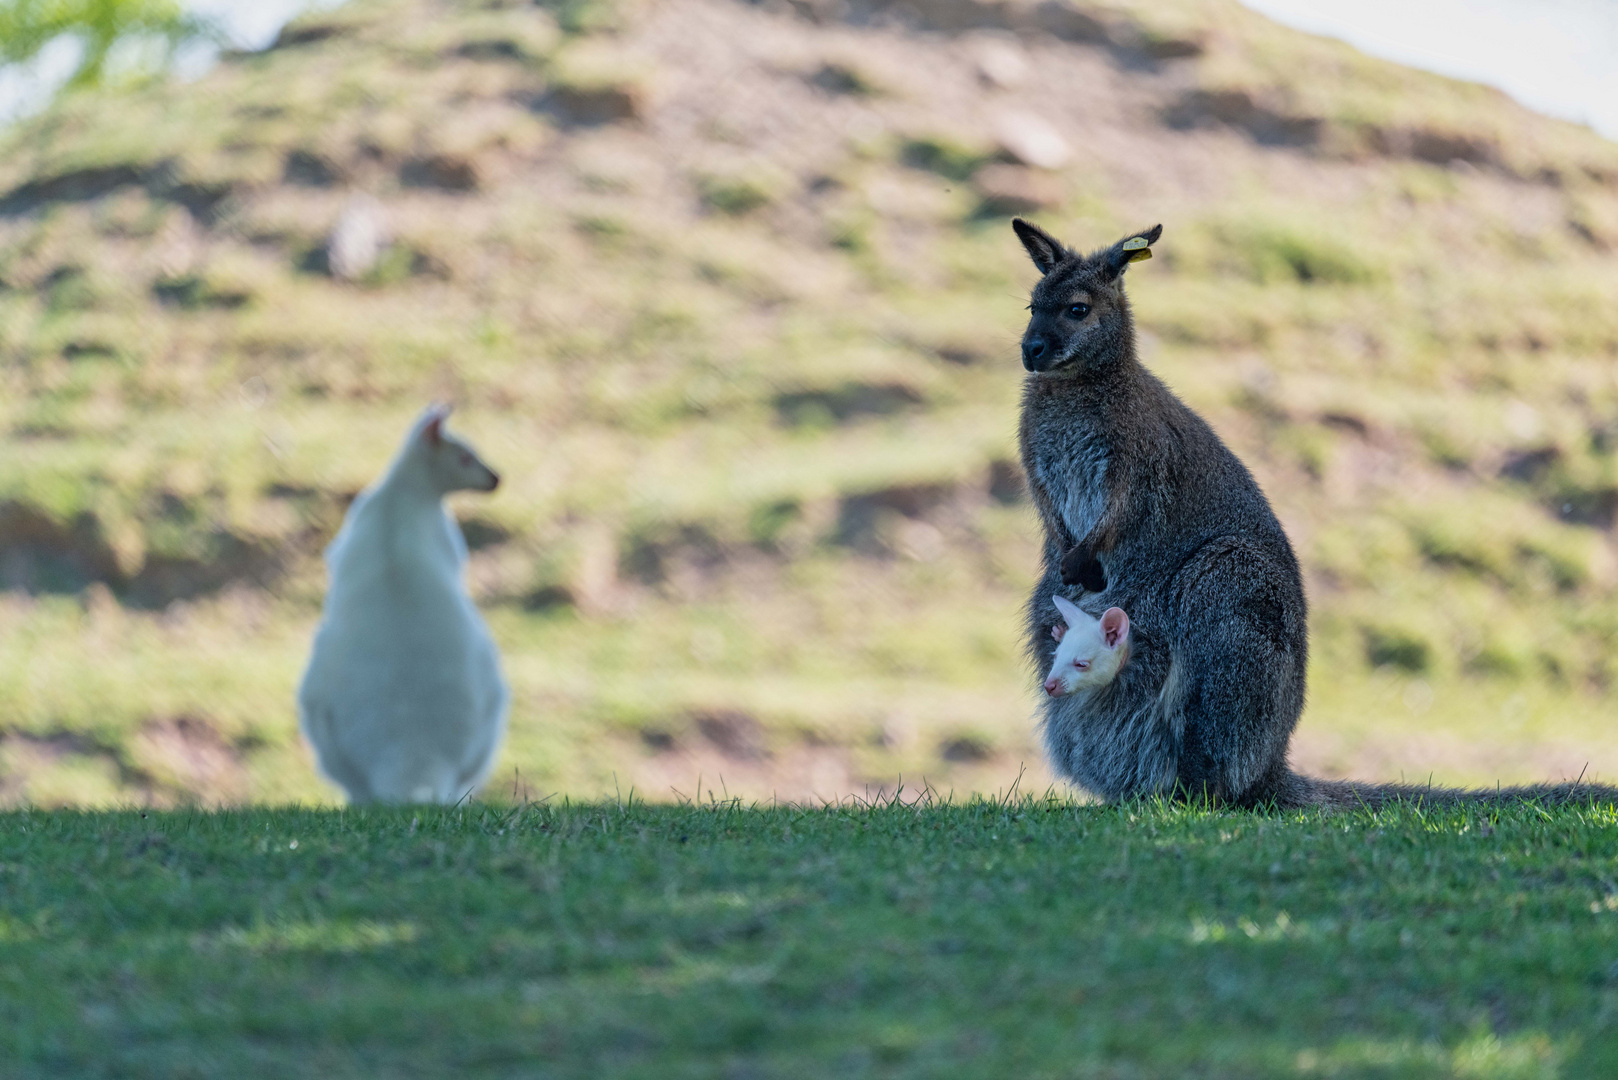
<point>1078,311</point>
<point>466,459</point>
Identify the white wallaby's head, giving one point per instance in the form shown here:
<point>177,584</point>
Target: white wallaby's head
<point>1090,650</point>
<point>448,463</point>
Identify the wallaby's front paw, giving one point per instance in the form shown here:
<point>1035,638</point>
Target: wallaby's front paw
<point>1081,567</point>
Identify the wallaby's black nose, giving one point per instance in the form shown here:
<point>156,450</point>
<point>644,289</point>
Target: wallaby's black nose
<point>1034,348</point>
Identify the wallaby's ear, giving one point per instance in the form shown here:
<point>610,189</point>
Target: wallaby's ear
<point>1042,247</point>
<point>1131,249</point>
<point>432,432</point>
<point>1114,626</point>
<point>1070,611</point>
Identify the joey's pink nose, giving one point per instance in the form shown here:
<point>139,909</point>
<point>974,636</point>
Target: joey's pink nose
<point>1053,688</point>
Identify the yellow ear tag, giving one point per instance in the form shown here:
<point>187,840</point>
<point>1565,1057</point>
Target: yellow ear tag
<point>1135,243</point>
<point>1143,253</point>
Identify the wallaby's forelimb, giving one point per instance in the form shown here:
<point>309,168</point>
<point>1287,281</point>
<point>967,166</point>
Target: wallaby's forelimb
<point>1081,567</point>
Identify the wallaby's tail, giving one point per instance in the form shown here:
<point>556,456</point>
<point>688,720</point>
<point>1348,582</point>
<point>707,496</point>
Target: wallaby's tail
<point>1303,791</point>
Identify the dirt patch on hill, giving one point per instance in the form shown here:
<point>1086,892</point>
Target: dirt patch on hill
<point>811,775</point>
<point>39,554</point>
<point>1413,758</point>
<point>165,762</point>
<point>185,757</point>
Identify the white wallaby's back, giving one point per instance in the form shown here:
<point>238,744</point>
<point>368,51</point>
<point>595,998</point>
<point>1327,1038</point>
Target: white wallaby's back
<point>403,699</point>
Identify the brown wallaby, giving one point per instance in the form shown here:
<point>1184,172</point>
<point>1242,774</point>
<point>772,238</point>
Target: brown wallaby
<point>1144,508</point>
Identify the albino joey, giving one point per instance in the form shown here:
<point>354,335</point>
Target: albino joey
<point>1089,650</point>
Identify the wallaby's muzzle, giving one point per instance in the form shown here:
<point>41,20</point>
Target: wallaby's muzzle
<point>1037,351</point>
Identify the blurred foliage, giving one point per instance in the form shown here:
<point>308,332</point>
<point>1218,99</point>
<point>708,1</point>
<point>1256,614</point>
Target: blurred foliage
<point>27,26</point>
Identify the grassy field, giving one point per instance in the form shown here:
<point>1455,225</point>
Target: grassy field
<point>991,938</point>
<point>726,292</point>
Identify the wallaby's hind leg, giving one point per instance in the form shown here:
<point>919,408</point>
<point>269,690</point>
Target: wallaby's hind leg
<point>333,756</point>
<point>1240,659</point>
<point>355,784</point>
<point>404,776</point>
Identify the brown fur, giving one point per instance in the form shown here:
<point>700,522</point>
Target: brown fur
<point>1143,507</point>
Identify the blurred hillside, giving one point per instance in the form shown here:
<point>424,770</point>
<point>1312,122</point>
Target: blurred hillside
<point>727,293</point>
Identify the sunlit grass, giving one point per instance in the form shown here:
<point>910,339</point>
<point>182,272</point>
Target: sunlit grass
<point>1011,936</point>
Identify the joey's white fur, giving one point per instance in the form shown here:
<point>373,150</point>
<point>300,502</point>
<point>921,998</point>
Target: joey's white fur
<point>1089,651</point>
<point>403,700</point>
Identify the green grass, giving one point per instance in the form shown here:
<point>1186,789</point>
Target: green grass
<point>994,938</point>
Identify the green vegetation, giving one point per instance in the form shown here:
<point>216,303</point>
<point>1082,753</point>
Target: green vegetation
<point>742,342</point>
<point>27,26</point>
<point>946,156</point>
<point>736,194</point>
<point>1017,937</point>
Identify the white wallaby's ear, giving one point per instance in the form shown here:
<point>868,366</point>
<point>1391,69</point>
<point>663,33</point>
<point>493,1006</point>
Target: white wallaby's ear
<point>1070,611</point>
<point>1114,626</point>
<point>432,432</point>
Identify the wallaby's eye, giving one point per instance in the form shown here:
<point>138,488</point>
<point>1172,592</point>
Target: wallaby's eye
<point>1078,311</point>
<point>1081,664</point>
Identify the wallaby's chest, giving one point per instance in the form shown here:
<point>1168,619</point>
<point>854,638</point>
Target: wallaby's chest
<point>1068,458</point>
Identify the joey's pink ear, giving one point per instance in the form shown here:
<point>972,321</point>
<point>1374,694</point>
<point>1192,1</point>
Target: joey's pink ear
<point>1114,626</point>
<point>1070,611</point>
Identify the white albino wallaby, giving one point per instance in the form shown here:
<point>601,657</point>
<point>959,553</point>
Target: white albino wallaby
<point>403,700</point>
<point>1090,650</point>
